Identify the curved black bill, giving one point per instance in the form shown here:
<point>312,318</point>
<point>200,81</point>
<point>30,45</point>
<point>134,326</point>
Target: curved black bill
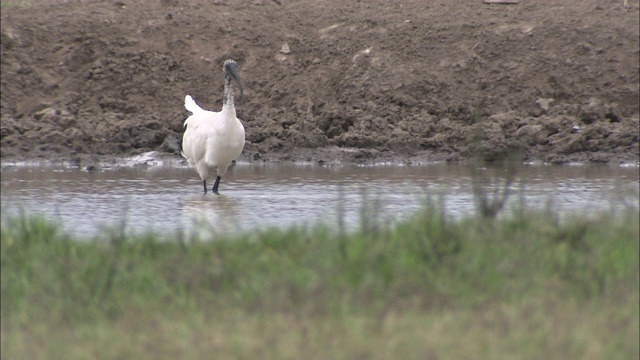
<point>232,69</point>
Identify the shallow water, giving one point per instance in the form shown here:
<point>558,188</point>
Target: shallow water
<point>168,199</point>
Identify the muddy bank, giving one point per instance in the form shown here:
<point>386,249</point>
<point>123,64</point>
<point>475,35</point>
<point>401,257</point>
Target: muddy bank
<point>326,80</point>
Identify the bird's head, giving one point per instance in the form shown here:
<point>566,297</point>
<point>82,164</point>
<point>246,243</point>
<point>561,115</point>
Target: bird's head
<point>230,69</point>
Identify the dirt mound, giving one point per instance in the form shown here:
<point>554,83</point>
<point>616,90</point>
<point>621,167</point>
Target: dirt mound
<point>549,80</point>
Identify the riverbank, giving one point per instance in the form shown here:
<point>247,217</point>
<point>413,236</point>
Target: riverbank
<point>340,81</point>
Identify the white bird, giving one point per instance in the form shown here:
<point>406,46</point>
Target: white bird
<point>212,140</point>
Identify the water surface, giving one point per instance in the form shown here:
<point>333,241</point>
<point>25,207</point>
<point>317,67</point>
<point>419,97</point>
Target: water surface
<point>168,199</point>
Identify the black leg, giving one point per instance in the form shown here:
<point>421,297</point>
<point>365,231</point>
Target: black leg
<point>215,186</point>
<point>204,182</point>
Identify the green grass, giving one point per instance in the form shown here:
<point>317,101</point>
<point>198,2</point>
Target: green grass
<point>525,286</point>
<point>9,4</point>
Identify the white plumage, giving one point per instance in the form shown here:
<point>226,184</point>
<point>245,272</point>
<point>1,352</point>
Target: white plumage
<point>212,140</point>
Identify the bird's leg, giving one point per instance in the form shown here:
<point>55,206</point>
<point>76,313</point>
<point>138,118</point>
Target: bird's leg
<point>204,182</point>
<point>215,185</point>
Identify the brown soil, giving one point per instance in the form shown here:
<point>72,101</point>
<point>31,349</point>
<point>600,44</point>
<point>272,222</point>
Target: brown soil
<point>326,80</point>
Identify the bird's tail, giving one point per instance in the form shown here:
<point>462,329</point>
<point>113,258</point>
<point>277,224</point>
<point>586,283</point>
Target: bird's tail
<point>191,105</point>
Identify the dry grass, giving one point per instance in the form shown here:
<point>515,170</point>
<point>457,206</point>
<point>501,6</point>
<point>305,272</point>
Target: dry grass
<point>534,329</point>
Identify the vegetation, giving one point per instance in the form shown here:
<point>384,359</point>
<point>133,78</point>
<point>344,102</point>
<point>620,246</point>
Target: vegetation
<point>525,286</point>
<point>4,4</point>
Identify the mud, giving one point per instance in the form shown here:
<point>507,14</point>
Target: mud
<point>331,80</point>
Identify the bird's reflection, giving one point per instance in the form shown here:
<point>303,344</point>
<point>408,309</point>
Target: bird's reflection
<point>211,213</point>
